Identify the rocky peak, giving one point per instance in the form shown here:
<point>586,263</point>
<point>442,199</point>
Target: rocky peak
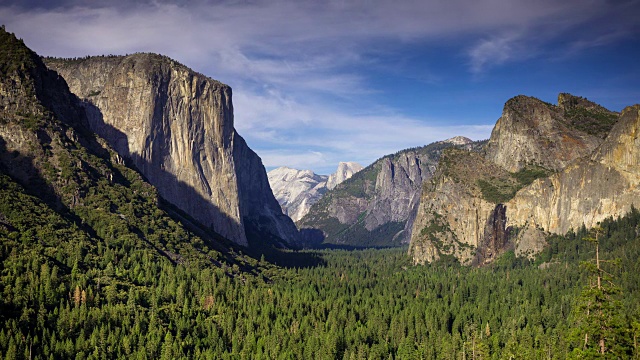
<point>590,190</point>
<point>345,171</point>
<point>545,169</point>
<point>531,132</point>
<point>458,140</point>
<point>296,190</point>
<point>586,116</point>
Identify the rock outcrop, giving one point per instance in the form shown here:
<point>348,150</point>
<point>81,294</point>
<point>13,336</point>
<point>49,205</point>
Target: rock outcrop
<point>531,132</point>
<point>453,211</point>
<point>596,187</point>
<point>377,205</point>
<point>345,171</point>
<point>546,169</point>
<point>297,190</point>
<point>176,127</point>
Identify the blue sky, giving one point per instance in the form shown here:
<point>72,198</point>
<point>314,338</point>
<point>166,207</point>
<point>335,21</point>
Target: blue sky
<point>318,82</point>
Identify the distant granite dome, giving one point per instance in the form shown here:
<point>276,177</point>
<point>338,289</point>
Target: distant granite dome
<point>458,140</point>
<point>297,190</point>
<point>345,171</point>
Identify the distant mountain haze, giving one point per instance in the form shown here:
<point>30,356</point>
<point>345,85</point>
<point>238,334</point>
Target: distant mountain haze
<point>375,207</point>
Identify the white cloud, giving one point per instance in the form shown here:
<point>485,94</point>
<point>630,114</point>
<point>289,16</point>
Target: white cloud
<point>288,133</point>
<point>296,66</point>
<point>495,51</point>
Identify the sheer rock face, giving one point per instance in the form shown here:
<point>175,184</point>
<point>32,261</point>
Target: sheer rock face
<point>591,179</point>
<point>345,171</point>
<point>452,214</point>
<point>590,190</point>
<point>378,204</point>
<point>531,132</point>
<point>176,127</point>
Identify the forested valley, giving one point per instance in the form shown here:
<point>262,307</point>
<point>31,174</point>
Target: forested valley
<point>65,295</point>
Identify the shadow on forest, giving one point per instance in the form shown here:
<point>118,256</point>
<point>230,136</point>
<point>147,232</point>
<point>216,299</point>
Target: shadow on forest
<point>314,239</point>
<point>174,189</point>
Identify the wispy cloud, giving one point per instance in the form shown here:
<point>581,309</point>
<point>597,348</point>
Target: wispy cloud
<point>297,67</point>
<point>320,137</point>
<point>493,52</point>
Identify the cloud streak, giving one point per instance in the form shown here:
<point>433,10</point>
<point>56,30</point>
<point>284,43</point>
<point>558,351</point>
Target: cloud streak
<point>297,67</point>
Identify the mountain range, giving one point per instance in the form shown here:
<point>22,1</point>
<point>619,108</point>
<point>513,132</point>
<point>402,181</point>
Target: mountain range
<point>297,190</point>
<point>74,128</point>
<point>375,207</point>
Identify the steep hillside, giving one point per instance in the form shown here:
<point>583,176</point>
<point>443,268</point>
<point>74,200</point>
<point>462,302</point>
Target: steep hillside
<point>53,165</point>
<point>176,127</point>
<point>297,190</point>
<point>532,132</point>
<point>602,185</point>
<point>539,173</point>
<point>374,207</point>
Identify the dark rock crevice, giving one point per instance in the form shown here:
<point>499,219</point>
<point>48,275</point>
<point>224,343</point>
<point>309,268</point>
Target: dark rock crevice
<point>496,239</point>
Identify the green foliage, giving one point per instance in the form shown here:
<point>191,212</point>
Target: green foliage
<point>529,174</point>
<point>500,190</point>
<point>369,304</point>
<point>14,55</point>
<point>597,122</point>
<point>600,325</point>
<point>497,190</point>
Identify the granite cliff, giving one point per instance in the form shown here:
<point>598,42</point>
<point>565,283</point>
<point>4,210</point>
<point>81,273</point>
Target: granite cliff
<point>376,206</point>
<point>586,192</point>
<point>67,197</point>
<point>176,127</point>
<point>542,171</point>
<point>297,190</point>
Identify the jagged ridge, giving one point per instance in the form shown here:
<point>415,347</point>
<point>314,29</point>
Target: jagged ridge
<point>376,206</point>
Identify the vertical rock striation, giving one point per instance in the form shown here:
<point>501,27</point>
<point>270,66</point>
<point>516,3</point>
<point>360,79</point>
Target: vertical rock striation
<point>376,207</point>
<point>596,187</point>
<point>345,171</point>
<point>176,127</point>
<point>532,132</point>
<point>298,190</point>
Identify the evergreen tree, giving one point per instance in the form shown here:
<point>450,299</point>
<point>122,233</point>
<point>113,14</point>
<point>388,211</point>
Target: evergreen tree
<point>598,315</point>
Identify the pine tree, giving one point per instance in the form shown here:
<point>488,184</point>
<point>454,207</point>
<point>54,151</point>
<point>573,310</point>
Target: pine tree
<point>598,315</point>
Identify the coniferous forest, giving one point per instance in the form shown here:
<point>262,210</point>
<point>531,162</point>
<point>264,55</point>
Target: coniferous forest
<point>65,295</point>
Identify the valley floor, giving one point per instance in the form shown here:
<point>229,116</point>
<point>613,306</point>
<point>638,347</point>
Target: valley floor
<point>366,304</point>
